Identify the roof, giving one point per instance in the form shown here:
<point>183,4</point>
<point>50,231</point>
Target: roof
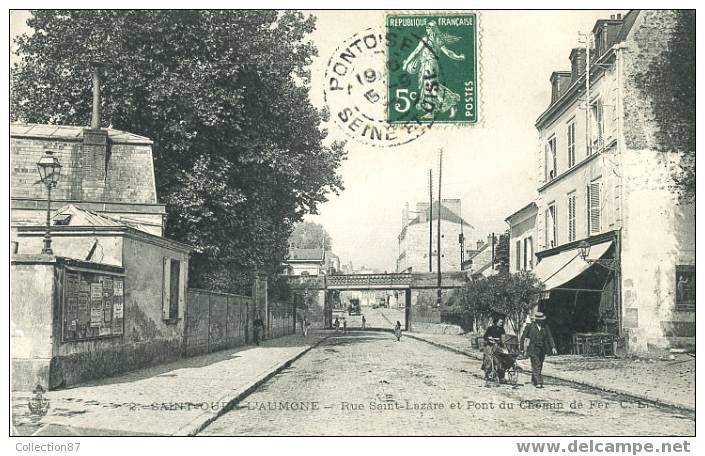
<point>71,133</point>
<point>531,205</point>
<point>296,254</point>
<point>627,23</point>
<point>70,215</point>
<point>446,214</point>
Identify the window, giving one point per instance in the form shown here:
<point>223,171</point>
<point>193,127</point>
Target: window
<point>550,226</point>
<point>571,144</point>
<point>597,125</point>
<point>571,216</point>
<point>685,287</point>
<point>594,209</point>
<point>549,168</point>
<point>173,290</point>
<point>517,260</point>
<point>528,253</point>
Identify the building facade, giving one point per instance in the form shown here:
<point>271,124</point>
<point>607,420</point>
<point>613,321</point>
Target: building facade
<point>605,179</point>
<point>414,238</point>
<point>522,236</point>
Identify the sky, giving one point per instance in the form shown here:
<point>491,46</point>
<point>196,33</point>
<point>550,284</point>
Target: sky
<point>490,166</point>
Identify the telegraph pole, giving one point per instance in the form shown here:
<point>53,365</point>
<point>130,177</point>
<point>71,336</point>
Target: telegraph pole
<point>430,220</point>
<point>438,229</point>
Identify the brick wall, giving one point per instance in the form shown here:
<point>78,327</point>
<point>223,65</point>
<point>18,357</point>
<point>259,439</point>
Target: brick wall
<point>129,177</point>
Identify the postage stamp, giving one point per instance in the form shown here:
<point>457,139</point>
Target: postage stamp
<point>432,67</point>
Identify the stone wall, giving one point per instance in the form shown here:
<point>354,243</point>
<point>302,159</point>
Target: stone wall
<point>659,233</point>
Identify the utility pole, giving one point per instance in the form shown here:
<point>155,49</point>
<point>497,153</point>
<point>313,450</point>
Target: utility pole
<point>493,255</point>
<point>438,229</point>
<point>430,220</point>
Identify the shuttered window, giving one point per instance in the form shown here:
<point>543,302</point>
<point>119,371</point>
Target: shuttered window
<point>173,289</point>
<point>517,259</point>
<point>594,209</point>
<point>550,226</point>
<point>571,144</point>
<point>571,217</point>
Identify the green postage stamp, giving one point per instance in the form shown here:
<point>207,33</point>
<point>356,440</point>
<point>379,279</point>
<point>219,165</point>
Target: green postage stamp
<point>432,68</point>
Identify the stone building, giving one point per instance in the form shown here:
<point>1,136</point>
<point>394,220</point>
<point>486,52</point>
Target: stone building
<point>414,237</point>
<point>112,296</point>
<point>479,261</point>
<point>107,171</point>
<point>311,262</point>
<point>522,235</point>
<point>605,178</point>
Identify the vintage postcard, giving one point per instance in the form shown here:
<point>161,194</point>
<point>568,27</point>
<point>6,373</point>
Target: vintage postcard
<point>354,223</point>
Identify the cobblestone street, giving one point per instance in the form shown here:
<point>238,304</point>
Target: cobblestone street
<point>366,383</point>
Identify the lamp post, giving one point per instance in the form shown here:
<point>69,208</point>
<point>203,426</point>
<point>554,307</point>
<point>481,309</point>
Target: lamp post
<point>49,173</point>
<point>608,263</point>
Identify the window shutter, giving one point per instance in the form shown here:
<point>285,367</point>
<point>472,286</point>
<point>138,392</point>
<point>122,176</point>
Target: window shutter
<point>182,288</point>
<point>555,226</point>
<point>587,211</point>
<point>545,163</point>
<point>166,278</point>
<point>595,222</point>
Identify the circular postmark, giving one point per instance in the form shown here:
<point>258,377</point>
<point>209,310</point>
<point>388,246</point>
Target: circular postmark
<point>356,92</point>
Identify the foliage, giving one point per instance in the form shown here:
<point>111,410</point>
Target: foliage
<point>501,255</point>
<point>240,155</point>
<point>669,83</point>
<point>310,235</point>
<point>510,295</point>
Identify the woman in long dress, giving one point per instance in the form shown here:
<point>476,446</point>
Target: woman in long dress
<point>433,96</point>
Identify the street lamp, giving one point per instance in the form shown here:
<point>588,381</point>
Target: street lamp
<point>608,263</point>
<point>49,173</point>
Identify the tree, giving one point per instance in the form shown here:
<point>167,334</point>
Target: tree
<point>240,155</point>
<point>501,255</point>
<point>310,235</point>
<point>509,295</point>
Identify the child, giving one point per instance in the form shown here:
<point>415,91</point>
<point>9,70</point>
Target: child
<point>397,331</point>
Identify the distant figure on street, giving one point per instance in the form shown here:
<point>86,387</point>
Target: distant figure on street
<point>397,331</point>
<point>258,326</point>
<point>540,342</point>
<point>336,324</point>
<point>304,326</point>
<point>363,322</point>
<point>345,326</point>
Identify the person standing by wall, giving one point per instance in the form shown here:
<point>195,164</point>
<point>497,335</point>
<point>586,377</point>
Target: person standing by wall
<point>258,326</point>
<point>397,331</point>
<point>540,342</point>
<point>363,322</point>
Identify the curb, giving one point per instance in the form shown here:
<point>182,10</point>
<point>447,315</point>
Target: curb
<point>640,397</point>
<point>203,420</point>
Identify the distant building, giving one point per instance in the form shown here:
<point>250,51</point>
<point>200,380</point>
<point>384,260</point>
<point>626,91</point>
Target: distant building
<point>414,237</point>
<point>479,261</point>
<point>305,262</point>
<point>606,179</point>
<point>522,233</point>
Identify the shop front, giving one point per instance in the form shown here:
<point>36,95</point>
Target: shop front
<point>581,295</point>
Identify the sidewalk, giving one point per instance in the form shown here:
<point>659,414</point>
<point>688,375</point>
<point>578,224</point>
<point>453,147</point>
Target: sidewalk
<point>178,398</point>
<point>666,382</point>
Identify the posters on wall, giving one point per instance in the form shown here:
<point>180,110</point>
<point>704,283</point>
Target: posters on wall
<point>93,305</point>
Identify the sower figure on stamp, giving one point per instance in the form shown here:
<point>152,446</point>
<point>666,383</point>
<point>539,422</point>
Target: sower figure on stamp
<point>540,341</point>
<point>423,61</point>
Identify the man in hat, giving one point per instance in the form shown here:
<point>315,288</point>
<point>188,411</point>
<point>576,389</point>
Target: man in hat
<point>540,342</point>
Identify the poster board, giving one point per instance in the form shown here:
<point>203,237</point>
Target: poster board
<point>93,305</point>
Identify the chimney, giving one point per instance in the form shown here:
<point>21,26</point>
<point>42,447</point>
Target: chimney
<point>577,63</point>
<point>405,215</point>
<point>422,209</point>
<point>95,149</point>
<point>560,81</point>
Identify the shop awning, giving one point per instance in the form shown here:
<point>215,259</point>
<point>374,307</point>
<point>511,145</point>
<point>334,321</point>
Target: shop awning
<point>562,267</point>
